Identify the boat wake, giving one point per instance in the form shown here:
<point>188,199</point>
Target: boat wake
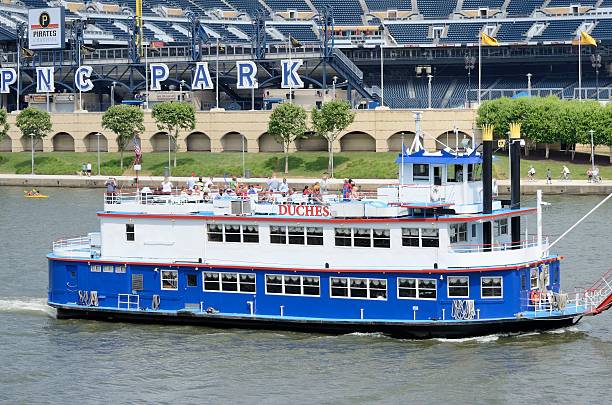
<point>35,305</point>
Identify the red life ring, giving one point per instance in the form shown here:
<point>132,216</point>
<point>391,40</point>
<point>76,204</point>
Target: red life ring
<point>534,296</point>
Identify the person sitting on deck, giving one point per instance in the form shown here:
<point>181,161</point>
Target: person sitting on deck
<point>166,186</point>
<point>283,187</point>
<point>355,194</point>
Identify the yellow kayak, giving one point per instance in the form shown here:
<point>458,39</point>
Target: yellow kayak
<point>36,196</point>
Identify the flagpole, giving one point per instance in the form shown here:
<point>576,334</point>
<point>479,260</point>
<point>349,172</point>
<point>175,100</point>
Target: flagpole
<point>479,65</point>
<point>290,83</point>
<point>579,66</point>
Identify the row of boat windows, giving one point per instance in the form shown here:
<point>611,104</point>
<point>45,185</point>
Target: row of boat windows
<point>107,268</point>
<point>340,287</point>
<point>313,235</point>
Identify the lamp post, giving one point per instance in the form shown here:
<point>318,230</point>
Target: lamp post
<point>32,139</point>
<point>470,62</point>
<point>113,94</point>
<point>169,158</point>
<point>217,75</point>
<point>98,150</point>
<point>596,63</point>
<point>592,151</point>
<point>181,84</point>
<point>429,77</point>
<point>529,84</point>
<point>243,162</point>
<point>382,74</point>
<point>146,76</point>
<point>335,79</point>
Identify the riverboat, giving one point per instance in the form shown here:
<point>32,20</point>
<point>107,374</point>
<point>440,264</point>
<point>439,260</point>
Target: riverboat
<point>436,255</point>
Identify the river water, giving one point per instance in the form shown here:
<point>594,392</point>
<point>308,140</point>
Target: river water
<point>44,360</point>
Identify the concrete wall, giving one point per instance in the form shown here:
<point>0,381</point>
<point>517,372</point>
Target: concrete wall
<point>219,131</point>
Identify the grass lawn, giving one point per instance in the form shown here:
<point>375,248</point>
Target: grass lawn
<point>301,164</point>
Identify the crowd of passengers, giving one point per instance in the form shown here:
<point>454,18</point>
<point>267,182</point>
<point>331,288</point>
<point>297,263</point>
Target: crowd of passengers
<point>275,189</point>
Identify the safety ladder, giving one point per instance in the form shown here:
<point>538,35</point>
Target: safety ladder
<point>128,301</point>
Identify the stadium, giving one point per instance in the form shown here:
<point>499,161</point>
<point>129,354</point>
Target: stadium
<point>389,56</point>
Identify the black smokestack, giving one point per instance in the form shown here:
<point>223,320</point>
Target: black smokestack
<point>487,183</point>
<point>515,182</point>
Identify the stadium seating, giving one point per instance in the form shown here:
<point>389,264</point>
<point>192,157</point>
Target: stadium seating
<point>381,5</point>
<point>522,8</point>
<point>247,6</point>
<point>513,31</point>
<point>467,32</point>
<point>409,33</point>
<point>560,30</point>
<point>476,4</point>
<point>345,12</point>
<point>567,3</point>
<point>436,8</point>
<point>284,5</point>
<point>302,33</point>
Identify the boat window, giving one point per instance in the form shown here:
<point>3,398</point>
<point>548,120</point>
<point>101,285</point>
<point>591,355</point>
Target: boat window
<point>95,268</point>
<point>491,287</point>
<point>417,288</point>
<point>129,232</point>
<point>501,227</point>
<point>410,237</point>
<point>458,287</point>
<point>108,268</point>
<point>474,172</point>
<point>534,279</point>
<point>430,237</point>
<point>343,237</point>
<point>421,172</point>
<point>458,232</point>
<point>314,235</point>
<point>232,233</point>
<point>523,281</point>
<point>366,288</point>
<point>454,173</point>
<point>250,233</point>
<point>278,234</point>
<point>296,235</point>
<point>382,238</point>
<point>362,237</point>
<point>120,268</point>
<point>293,285</point>
<point>474,231</point>
<point>229,282</point>
<point>169,279</point>
<point>215,233</point>
<point>192,280</point>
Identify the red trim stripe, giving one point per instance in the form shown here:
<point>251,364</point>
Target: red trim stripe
<point>294,269</point>
<point>318,220</point>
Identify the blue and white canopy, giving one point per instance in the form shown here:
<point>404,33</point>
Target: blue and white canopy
<point>440,157</point>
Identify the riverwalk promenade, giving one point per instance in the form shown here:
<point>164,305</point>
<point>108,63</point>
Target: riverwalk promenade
<point>572,187</point>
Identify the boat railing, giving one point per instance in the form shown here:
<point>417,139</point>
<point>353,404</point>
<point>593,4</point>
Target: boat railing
<point>496,247</point>
<point>81,246</point>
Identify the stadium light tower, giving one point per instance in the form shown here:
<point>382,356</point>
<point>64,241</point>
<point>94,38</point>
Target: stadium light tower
<point>529,84</point>
<point>596,63</point>
<point>470,63</point>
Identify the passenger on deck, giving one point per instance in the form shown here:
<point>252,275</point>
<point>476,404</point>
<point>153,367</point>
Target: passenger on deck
<point>346,189</point>
<point>273,183</point>
<point>209,183</point>
<point>199,183</point>
<point>316,193</point>
<point>283,187</point>
<point>191,182</point>
<point>355,194</point>
<point>166,186</point>
<point>324,183</point>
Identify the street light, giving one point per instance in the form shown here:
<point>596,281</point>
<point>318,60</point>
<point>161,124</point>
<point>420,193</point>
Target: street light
<point>429,77</point>
<point>98,149</point>
<point>592,151</point>
<point>529,84</point>
<point>113,93</point>
<point>32,139</point>
<point>596,63</point>
<point>470,63</point>
<point>335,79</point>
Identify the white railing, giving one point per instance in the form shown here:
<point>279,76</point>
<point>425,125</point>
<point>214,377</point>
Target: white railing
<point>80,243</point>
<point>496,247</point>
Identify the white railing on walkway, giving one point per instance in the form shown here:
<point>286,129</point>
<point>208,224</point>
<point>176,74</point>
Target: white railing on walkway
<point>496,247</point>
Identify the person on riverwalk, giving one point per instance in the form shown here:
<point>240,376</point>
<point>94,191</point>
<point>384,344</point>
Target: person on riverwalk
<point>531,173</point>
<point>89,169</point>
<point>83,169</point>
<point>548,176</point>
<point>565,173</point>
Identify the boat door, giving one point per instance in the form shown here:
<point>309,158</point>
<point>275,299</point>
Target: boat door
<point>437,175</point>
<point>193,287</point>
<point>72,277</point>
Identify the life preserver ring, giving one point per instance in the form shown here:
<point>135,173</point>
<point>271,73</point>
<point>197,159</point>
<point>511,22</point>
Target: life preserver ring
<point>534,296</point>
<point>435,193</point>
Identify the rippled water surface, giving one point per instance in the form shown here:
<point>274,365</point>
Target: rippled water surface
<point>43,360</point>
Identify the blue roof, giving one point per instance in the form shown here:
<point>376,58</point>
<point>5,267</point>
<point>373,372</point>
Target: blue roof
<point>445,158</point>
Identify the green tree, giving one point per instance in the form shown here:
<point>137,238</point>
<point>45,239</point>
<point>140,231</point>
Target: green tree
<point>540,122</point>
<point>126,122</point>
<point>333,117</point>
<point>287,123</point>
<point>173,117</point>
<point>4,126</point>
<point>607,129</point>
<point>34,123</point>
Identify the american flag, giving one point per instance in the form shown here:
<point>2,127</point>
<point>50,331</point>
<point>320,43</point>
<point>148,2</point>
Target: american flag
<point>137,150</point>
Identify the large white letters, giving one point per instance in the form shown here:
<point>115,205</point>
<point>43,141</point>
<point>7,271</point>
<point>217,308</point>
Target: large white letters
<point>7,77</point>
<point>159,73</point>
<point>45,82</point>
<point>247,71</point>
<point>81,78</point>
<point>201,77</point>
<point>290,77</point>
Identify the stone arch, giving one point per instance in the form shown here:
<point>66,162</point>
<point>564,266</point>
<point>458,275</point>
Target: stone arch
<point>63,142</point>
<point>357,141</point>
<point>26,144</point>
<point>198,142</point>
<point>159,142</point>
<point>311,143</point>
<point>6,145</point>
<point>232,142</point>
<point>267,143</point>
<point>450,139</point>
<point>394,142</point>
<point>91,142</point>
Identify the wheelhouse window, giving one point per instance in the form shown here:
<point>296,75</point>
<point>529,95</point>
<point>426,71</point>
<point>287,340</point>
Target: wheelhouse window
<point>278,234</point>
<point>458,287</point>
<point>130,235</point>
<point>420,172</point>
<point>430,237</point>
<point>491,287</point>
<point>169,279</point>
<point>365,288</point>
<point>417,288</point>
<point>293,285</point>
<point>229,282</point>
<point>410,237</point>
<point>501,227</point>
<point>458,233</point>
